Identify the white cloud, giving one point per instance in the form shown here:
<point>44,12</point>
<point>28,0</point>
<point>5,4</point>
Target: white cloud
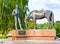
<point>55,1</point>
<point>56,14</point>
<point>36,4</point>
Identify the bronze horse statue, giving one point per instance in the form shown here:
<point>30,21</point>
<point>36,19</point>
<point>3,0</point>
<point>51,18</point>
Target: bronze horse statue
<point>36,14</point>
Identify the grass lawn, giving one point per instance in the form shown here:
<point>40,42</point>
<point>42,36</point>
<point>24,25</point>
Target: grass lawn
<point>2,37</point>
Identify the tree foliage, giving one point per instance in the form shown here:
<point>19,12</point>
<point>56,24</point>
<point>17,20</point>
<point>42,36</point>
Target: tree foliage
<point>6,19</point>
<point>30,24</point>
<point>45,25</point>
<point>57,27</point>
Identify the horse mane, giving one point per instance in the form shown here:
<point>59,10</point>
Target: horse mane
<point>33,11</point>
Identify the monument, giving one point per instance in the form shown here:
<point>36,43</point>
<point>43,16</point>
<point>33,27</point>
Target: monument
<point>33,34</point>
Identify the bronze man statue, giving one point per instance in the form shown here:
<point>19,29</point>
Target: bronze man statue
<point>16,14</point>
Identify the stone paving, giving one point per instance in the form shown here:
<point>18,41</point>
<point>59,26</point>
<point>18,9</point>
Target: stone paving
<point>29,42</point>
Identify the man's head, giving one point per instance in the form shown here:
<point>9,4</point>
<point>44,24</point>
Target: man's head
<point>16,6</point>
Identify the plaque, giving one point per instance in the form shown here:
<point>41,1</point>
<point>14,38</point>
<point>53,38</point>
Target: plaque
<point>22,32</point>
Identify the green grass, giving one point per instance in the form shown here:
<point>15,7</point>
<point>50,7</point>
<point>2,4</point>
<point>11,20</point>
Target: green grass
<point>2,37</point>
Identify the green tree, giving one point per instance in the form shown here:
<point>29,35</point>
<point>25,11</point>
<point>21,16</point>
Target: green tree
<point>30,24</point>
<point>57,27</point>
<point>6,19</point>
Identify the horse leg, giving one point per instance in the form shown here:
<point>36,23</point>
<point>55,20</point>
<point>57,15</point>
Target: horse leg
<point>34,22</point>
<point>53,23</point>
<point>26,24</point>
<point>52,18</point>
<point>48,24</point>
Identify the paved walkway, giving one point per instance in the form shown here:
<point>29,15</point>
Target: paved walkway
<point>29,42</point>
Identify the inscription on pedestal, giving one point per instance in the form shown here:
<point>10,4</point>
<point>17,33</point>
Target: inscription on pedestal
<point>22,32</point>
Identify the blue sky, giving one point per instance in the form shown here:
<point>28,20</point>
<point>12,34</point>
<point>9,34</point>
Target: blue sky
<point>53,5</point>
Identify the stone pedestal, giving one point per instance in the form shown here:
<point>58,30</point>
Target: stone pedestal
<point>41,34</point>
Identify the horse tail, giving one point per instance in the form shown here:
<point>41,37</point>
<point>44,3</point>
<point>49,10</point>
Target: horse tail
<point>52,18</point>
